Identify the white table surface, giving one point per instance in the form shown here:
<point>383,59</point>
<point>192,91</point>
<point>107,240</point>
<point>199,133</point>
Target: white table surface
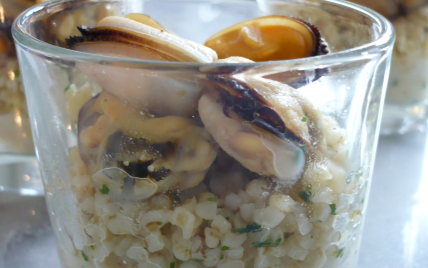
<point>395,233</point>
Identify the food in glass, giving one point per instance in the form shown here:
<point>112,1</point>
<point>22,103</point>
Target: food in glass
<point>169,153</point>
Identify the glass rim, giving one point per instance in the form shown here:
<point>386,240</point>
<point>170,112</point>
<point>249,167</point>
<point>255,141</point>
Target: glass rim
<point>31,43</point>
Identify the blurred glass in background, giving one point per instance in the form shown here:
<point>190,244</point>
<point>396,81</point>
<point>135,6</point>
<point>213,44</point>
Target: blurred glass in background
<point>406,106</point>
<point>18,167</point>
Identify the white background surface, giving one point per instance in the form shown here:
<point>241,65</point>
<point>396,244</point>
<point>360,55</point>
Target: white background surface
<point>395,233</point>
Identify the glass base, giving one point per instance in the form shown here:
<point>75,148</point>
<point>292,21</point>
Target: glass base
<point>400,119</point>
<point>19,174</point>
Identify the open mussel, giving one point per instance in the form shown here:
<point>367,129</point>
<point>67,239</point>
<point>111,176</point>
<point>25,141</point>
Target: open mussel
<point>145,19</point>
<point>273,38</point>
<point>268,38</point>
<point>134,155</point>
<point>161,93</point>
<point>265,125</point>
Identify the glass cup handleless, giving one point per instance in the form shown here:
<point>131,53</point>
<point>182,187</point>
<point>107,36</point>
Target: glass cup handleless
<point>151,164</point>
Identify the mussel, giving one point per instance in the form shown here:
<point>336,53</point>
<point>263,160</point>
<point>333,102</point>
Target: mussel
<point>273,38</point>
<point>135,155</point>
<point>268,38</point>
<point>144,19</point>
<point>265,125</point>
<point>162,93</point>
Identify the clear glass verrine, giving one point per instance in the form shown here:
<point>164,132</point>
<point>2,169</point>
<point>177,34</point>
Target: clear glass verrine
<point>153,164</point>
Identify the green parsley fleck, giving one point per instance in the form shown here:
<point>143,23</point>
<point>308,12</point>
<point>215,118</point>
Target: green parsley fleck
<point>158,223</point>
<point>339,253</point>
<point>222,257</point>
<point>212,199</point>
<point>67,88</point>
<point>362,201</point>
<point>105,189</point>
<point>312,236</point>
<point>225,248</point>
<point>198,260</point>
<point>84,256</point>
<point>172,265</point>
<point>227,218</point>
<point>143,140</point>
<point>304,119</point>
<point>426,29</point>
<point>306,196</point>
<point>105,100</point>
<point>92,247</point>
<point>266,244</point>
<point>395,83</point>
<point>333,209</point>
<point>251,228</point>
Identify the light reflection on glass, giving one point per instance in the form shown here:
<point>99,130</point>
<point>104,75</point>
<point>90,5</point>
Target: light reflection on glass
<point>11,74</point>
<point>18,119</point>
<point>1,14</point>
<point>416,225</point>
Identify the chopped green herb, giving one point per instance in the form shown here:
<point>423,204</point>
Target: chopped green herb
<point>395,83</point>
<point>158,223</point>
<point>105,100</point>
<point>304,119</point>
<point>340,252</point>
<point>142,140</point>
<point>426,29</point>
<point>67,88</point>
<point>312,236</point>
<point>362,201</point>
<point>198,260</point>
<point>266,244</point>
<point>222,257</point>
<point>105,189</point>
<point>17,73</point>
<point>84,256</point>
<point>225,248</point>
<point>172,265</point>
<point>212,199</point>
<point>333,209</point>
<point>92,247</point>
<point>306,196</point>
<point>227,218</point>
<point>251,228</point>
